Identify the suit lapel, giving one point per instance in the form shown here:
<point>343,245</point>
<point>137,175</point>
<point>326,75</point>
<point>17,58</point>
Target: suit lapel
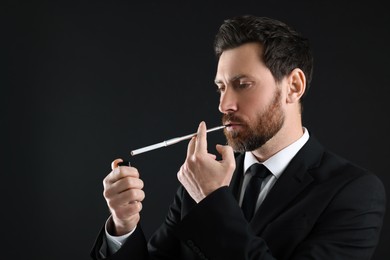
<point>291,183</point>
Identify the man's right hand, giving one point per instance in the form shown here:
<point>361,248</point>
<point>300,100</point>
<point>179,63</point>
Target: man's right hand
<point>123,193</point>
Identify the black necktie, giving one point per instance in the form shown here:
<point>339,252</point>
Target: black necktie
<point>252,191</point>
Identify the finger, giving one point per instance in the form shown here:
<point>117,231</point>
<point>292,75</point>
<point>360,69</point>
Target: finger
<point>227,154</point>
<point>111,190</point>
<point>121,172</point>
<point>212,156</point>
<point>191,147</point>
<point>126,198</point>
<point>201,142</point>
<point>126,211</point>
<point>130,196</point>
<point>115,163</point>
<point>127,183</point>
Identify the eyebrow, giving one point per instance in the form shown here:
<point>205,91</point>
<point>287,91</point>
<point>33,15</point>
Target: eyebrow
<point>239,76</point>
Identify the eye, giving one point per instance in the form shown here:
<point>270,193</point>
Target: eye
<point>220,89</point>
<point>243,84</point>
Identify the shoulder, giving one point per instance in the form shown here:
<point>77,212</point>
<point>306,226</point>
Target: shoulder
<point>325,166</point>
<point>340,172</point>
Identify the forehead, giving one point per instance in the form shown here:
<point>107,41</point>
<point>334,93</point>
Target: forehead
<point>243,60</point>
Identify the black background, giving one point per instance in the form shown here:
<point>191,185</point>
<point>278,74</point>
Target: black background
<point>85,82</point>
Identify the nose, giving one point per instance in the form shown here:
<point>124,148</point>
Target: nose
<point>228,101</point>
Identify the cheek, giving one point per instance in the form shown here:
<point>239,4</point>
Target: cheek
<point>252,105</point>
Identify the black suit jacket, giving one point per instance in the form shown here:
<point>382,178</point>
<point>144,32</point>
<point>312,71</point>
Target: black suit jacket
<point>322,207</point>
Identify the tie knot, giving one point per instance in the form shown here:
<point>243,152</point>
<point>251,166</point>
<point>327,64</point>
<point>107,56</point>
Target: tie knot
<point>258,170</point>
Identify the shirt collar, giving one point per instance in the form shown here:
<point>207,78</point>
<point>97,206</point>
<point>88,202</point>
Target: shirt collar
<point>279,161</point>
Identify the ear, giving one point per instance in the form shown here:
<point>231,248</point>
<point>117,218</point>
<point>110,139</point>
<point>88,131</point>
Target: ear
<point>296,85</point>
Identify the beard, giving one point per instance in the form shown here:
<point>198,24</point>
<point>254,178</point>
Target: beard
<point>255,134</point>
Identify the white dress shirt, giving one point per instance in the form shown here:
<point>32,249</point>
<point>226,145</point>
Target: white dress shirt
<point>276,164</point>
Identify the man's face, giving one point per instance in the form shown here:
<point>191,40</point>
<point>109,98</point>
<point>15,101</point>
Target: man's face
<point>251,100</point>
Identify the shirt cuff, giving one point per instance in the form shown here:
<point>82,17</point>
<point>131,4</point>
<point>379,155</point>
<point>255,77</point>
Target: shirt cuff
<point>114,243</point>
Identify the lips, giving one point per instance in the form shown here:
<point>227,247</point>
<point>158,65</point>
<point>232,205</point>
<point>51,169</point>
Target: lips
<point>232,122</point>
<point>230,126</point>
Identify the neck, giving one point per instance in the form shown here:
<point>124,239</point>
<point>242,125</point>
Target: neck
<point>285,137</point>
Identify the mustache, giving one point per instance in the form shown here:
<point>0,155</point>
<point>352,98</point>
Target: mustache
<point>232,118</point>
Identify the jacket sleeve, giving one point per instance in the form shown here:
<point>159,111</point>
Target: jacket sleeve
<point>217,229</point>
<point>134,246</point>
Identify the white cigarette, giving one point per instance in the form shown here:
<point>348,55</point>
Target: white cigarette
<point>171,141</point>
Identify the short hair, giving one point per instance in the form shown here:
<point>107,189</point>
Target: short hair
<point>284,49</point>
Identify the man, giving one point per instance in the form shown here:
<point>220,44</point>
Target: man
<point>312,204</point>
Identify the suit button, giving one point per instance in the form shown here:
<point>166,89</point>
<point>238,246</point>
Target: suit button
<point>190,243</point>
<point>196,250</point>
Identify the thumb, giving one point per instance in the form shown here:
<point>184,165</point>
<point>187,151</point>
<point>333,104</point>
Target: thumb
<point>115,163</point>
<point>227,154</point>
